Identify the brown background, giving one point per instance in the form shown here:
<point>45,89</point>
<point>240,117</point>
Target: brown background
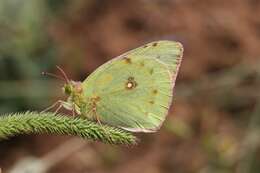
<point>213,125</point>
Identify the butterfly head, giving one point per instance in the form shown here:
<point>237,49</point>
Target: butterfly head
<point>72,88</point>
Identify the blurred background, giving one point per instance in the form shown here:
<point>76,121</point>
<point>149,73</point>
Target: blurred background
<point>214,123</point>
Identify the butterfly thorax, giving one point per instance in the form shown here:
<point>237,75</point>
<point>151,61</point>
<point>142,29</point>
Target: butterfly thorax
<point>74,91</point>
<point>85,107</point>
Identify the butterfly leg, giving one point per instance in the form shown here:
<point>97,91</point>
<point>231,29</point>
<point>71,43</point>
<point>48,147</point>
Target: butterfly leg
<point>70,106</point>
<point>73,110</point>
<point>59,107</point>
<point>96,116</point>
<point>52,106</point>
<point>62,104</point>
<point>98,120</point>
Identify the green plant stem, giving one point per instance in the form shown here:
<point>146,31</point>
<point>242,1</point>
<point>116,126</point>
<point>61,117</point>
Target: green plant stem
<point>37,123</point>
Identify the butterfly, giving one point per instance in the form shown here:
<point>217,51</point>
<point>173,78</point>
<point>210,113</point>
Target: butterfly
<point>132,91</point>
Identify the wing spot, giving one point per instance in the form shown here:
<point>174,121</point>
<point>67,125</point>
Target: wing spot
<point>95,99</point>
<point>179,58</point>
<point>127,60</point>
<point>155,91</point>
<point>151,71</point>
<point>145,46</point>
<point>131,83</point>
<point>142,64</point>
<point>151,102</point>
<point>154,44</point>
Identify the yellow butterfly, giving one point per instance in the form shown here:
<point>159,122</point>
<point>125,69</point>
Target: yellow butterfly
<point>133,91</point>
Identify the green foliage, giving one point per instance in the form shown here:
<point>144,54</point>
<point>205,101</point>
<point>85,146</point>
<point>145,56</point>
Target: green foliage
<point>37,123</point>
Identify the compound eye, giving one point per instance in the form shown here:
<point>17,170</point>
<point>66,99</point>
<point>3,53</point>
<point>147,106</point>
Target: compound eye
<point>67,89</point>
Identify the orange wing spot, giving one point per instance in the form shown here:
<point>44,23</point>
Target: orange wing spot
<point>151,102</point>
<point>142,64</point>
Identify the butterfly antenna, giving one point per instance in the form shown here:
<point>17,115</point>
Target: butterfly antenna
<point>63,73</point>
<point>53,75</point>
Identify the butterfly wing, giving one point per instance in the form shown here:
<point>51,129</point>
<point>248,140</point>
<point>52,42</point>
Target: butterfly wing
<point>168,52</point>
<point>133,91</point>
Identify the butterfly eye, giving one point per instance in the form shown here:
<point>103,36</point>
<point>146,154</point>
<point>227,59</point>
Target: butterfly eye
<point>67,89</point>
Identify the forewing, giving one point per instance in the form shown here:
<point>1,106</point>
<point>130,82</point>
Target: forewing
<point>134,96</point>
<point>168,52</point>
